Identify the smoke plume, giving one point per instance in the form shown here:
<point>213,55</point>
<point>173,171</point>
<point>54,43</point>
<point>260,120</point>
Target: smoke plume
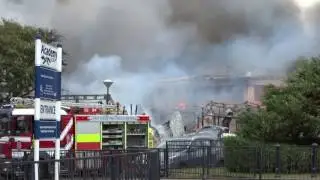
<point>138,42</point>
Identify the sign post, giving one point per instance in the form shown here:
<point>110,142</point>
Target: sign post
<point>48,66</point>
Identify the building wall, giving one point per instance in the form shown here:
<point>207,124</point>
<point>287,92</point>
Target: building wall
<point>255,89</point>
<point>219,89</point>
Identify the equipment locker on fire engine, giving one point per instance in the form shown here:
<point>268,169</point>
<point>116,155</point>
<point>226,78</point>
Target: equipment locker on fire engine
<point>95,132</point>
<point>104,126</point>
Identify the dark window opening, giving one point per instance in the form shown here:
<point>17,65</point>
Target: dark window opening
<point>22,125</point>
<point>4,124</point>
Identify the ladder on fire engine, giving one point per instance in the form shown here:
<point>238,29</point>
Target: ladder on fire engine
<point>104,108</point>
<point>110,108</point>
<point>87,105</point>
<point>29,102</point>
<point>86,101</point>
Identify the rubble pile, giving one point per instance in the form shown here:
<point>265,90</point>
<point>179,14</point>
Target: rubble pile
<point>224,114</point>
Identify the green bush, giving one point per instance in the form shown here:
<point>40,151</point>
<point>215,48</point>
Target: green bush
<point>241,155</point>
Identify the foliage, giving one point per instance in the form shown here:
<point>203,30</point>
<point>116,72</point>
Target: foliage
<point>291,112</point>
<point>242,155</point>
<point>239,155</point>
<point>17,57</point>
<point>293,65</point>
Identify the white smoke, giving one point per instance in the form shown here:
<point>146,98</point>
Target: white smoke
<point>303,4</point>
<point>138,42</point>
<point>128,87</point>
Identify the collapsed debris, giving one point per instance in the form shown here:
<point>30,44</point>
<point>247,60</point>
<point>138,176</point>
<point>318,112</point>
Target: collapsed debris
<point>180,122</point>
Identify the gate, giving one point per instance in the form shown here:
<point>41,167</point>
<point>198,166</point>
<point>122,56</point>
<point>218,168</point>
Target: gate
<point>198,159</point>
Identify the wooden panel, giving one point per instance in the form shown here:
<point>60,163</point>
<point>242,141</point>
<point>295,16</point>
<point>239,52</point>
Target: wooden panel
<point>258,92</point>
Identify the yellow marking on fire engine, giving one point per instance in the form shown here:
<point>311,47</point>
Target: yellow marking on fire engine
<point>101,136</point>
<point>125,136</point>
<point>75,138</point>
<point>88,138</point>
<point>150,137</point>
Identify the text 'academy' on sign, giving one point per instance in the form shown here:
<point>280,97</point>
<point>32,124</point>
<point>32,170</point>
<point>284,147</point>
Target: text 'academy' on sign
<point>51,55</point>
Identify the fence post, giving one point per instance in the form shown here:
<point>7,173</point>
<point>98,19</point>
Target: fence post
<point>278,165</point>
<point>210,160</point>
<point>314,159</point>
<point>259,170</point>
<point>154,165</point>
<point>166,163</point>
<point>204,148</point>
<point>112,166</point>
<point>159,162</point>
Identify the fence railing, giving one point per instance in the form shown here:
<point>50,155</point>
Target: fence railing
<point>113,165</point>
<point>203,160</point>
<point>178,160</point>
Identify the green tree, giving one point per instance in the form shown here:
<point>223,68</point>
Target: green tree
<point>291,113</point>
<point>17,57</point>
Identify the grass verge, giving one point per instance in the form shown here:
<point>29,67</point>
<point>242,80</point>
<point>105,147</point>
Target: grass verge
<point>223,174</point>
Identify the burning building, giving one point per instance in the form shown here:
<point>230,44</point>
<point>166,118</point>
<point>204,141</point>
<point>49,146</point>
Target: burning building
<point>197,90</point>
<point>209,99</point>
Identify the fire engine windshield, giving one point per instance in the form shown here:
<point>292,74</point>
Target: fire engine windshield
<point>14,125</point>
<point>4,123</point>
<point>22,124</point>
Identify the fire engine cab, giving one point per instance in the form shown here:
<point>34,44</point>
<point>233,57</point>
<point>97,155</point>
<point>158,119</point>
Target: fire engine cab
<point>16,130</point>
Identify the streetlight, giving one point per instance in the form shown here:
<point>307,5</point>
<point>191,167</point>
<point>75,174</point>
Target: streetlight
<point>108,84</point>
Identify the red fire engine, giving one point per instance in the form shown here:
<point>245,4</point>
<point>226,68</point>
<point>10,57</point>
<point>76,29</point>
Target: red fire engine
<point>83,127</point>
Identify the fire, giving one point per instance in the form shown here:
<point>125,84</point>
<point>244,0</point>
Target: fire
<point>182,106</point>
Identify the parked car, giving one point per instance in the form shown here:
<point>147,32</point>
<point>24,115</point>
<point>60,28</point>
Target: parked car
<point>192,150</point>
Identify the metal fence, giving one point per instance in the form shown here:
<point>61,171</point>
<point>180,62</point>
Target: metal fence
<point>95,165</point>
<point>200,159</point>
<point>209,160</point>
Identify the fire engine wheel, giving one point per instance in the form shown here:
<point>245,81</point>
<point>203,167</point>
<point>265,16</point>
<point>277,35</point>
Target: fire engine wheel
<point>44,171</point>
<point>43,168</point>
<point>183,165</point>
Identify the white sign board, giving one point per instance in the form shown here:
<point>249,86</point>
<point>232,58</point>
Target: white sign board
<point>48,55</point>
<point>48,66</point>
<point>48,110</point>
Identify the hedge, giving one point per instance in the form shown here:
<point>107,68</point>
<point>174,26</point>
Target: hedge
<point>241,155</point>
